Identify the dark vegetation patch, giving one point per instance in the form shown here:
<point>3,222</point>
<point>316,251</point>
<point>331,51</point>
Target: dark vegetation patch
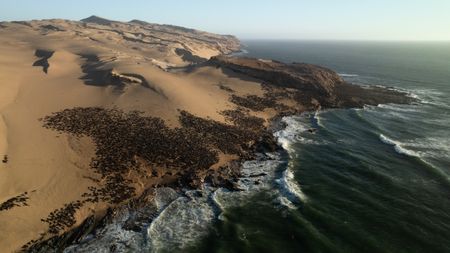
<point>128,142</point>
<point>241,118</point>
<point>300,97</point>
<point>5,159</point>
<point>44,55</point>
<point>123,137</point>
<point>256,103</point>
<point>226,138</point>
<point>136,222</point>
<point>253,102</point>
<point>62,218</point>
<point>19,200</point>
<point>222,86</point>
<point>270,99</point>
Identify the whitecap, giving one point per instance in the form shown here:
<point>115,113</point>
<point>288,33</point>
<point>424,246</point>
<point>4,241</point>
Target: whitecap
<point>318,118</point>
<point>427,92</point>
<point>398,146</point>
<point>347,75</point>
<point>430,97</point>
<point>291,132</point>
<point>182,218</point>
<point>400,108</point>
<point>290,188</point>
<point>181,223</point>
<point>256,176</point>
<point>434,147</point>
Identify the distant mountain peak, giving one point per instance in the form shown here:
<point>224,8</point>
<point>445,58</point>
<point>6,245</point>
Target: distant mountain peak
<point>139,22</point>
<point>97,20</point>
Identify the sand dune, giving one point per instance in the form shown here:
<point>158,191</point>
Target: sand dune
<point>56,75</point>
<point>45,68</point>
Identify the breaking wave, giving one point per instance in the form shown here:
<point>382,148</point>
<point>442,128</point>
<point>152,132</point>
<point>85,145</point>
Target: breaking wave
<point>347,75</point>
<point>188,218</point>
<point>181,218</point>
<point>398,146</point>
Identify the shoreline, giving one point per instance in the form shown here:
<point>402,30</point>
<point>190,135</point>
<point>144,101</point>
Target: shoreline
<point>256,176</point>
<point>275,125</point>
<point>118,124</point>
<point>269,171</point>
<point>288,193</point>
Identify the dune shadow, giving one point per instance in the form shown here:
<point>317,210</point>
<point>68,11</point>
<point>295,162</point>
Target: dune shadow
<point>188,56</point>
<point>95,75</point>
<point>44,55</point>
<point>52,28</point>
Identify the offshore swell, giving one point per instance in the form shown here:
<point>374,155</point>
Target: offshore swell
<point>374,179</point>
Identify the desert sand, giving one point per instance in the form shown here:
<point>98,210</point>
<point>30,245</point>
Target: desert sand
<point>53,168</point>
<point>95,112</point>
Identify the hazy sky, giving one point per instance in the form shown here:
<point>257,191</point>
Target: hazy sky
<point>282,19</point>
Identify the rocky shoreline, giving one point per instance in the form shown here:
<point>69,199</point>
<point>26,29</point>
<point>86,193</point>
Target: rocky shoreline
<point>136,215</point>
<point>131,145</point>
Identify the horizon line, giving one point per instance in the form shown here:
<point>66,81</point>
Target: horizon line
<point>245,38</point>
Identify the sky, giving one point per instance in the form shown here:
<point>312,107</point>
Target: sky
<point>262,19</point>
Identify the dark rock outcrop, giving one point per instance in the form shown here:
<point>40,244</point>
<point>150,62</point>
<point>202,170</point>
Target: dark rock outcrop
<point>302,76</point>
<point>312,82</point>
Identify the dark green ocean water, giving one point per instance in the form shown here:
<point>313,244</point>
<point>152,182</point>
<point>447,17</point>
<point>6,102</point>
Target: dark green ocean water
<point>375,179</point>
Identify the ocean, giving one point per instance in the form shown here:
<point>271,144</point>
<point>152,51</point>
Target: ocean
<point>372,179</point>
<point>375,179</point>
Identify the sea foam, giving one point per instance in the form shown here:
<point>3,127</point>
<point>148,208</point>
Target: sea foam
<point>398,146</point>
<point>347,75</point>
<point>184,217</point>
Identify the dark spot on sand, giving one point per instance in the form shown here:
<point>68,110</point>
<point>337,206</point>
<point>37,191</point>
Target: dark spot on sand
<point>62,218</point>
<point>19,200</point>
<point>44,55</point>
<point>224,87</point>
